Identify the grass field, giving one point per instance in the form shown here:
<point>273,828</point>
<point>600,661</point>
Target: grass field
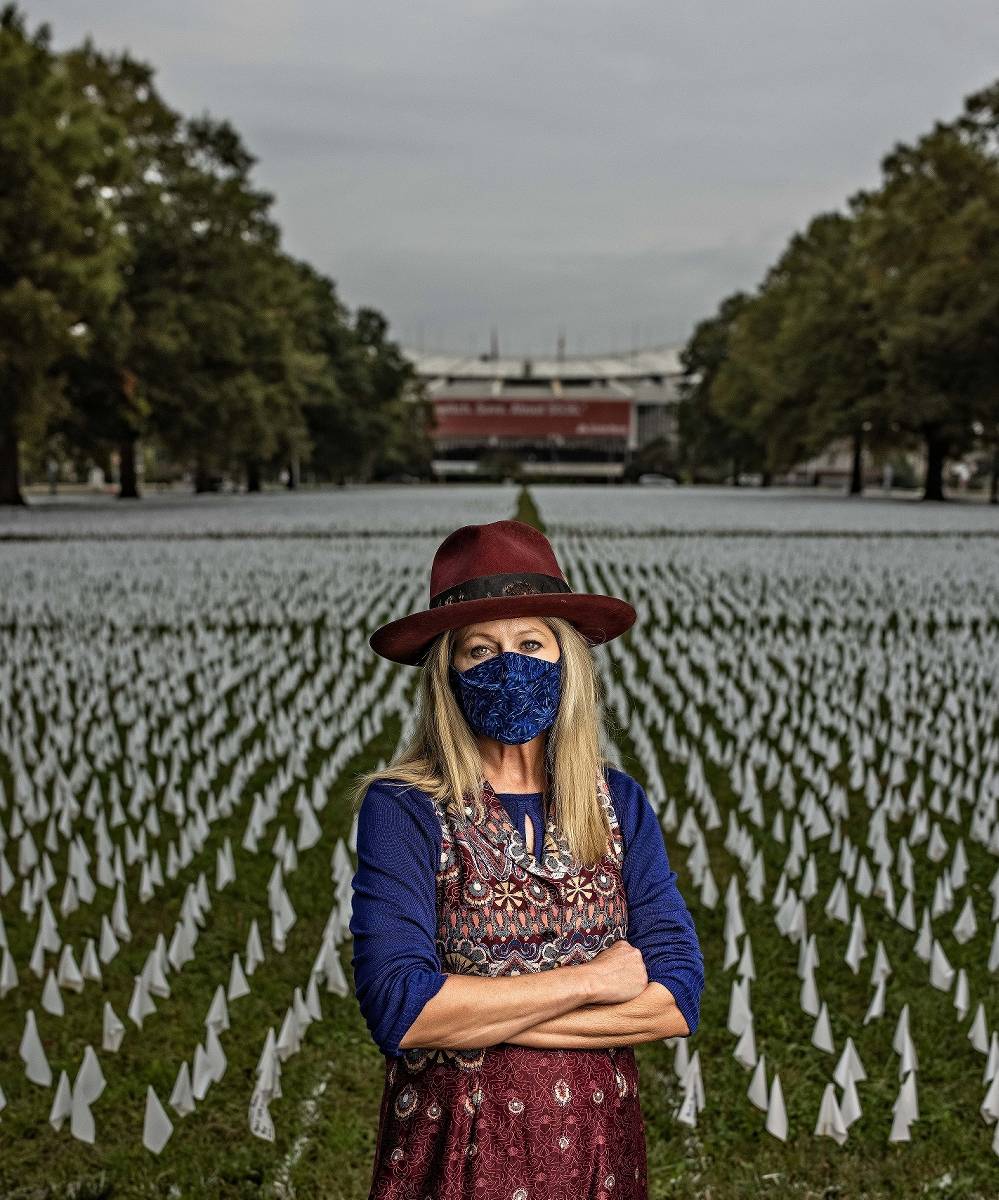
<point>194,651</point>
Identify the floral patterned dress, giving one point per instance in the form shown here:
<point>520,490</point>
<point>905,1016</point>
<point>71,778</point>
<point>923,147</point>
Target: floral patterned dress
<point>510,1122</point>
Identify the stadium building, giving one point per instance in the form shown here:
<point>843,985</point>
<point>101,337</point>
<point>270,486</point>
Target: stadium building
<point>578,417</point>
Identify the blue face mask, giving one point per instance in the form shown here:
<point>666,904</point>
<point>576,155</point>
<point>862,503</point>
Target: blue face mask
<point>510,697</point>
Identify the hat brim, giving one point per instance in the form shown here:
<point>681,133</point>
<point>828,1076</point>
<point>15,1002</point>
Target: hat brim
<point>598,618</point>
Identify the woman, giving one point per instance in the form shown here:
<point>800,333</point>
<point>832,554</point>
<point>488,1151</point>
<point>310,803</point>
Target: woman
<point>498,846</point>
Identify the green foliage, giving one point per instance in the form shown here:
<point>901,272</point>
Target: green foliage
<point>928,238</point>
<point>709,437</point>
<point>657,457</point>
<point>60,251</point>
<point>194,330</point>
<point>880,324</point>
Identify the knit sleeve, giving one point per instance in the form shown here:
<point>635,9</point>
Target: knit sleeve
<point>659,922</point>
<point>393,917</point>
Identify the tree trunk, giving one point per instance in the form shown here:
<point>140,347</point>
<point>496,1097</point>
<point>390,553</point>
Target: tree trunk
<point>202,481</point>
<point>766,478</point>
<point>857,466</point>
<point>994,481</point>
<point>128,487</point>
<point>735,472</point>
<point>936,450</point>
<point>253,475</point>
<point>293,472</point>
<point>10,475</point>
<point>370,461</point>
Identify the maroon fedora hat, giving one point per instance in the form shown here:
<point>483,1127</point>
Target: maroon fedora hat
<point>491,572</point>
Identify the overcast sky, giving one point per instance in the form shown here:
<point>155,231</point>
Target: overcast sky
<point>609,167</point>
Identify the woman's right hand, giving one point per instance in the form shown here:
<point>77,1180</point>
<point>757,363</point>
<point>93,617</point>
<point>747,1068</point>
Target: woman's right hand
<point>617,974</point>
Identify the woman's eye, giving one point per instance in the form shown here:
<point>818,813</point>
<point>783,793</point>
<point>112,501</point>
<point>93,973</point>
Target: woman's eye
<point>532,642</point>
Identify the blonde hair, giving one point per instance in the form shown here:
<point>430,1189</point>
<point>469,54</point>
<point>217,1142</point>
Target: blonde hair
<point>443,760</point>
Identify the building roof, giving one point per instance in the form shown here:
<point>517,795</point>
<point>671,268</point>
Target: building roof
<point>643,364</point>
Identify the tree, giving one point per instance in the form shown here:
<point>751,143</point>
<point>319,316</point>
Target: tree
<point>377,422</point>
<point>319,327</point>
<point>109,405</point>
<point>826,349</point>
<point>400,413</point>
<point>211,300</point>
<point>334,378</point>
<point>209,341</point>
<point>708,437</point>
<point>979,123</point>
<point>801,366</point>
<point>749,390</point>
<point>928,237</point>
<point>59,249</point>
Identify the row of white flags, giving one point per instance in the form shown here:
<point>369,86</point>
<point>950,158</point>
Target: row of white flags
<point>74,1101</point>
<point>785,755</point>
<point>818,814</point>
<point>76,1093</point>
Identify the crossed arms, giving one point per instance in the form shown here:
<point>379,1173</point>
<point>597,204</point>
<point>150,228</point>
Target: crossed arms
<point>608,1001</point>
<point>651,1015</point>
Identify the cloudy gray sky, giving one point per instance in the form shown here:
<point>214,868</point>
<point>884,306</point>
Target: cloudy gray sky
<point>610,167</point>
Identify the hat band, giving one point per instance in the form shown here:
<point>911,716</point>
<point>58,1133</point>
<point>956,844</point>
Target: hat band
<point>513,583</point>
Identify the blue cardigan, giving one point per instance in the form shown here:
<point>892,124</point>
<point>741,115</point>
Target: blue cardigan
<point>394,906</point>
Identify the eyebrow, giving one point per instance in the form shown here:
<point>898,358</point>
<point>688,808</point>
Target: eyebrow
<point>489,637</point>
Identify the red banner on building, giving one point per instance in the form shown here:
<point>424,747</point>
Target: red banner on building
<point>531,418</point>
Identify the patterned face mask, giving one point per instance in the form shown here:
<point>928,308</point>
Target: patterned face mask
<point>510,697</point>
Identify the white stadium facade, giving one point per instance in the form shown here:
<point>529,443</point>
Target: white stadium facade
<point>562,417</point>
